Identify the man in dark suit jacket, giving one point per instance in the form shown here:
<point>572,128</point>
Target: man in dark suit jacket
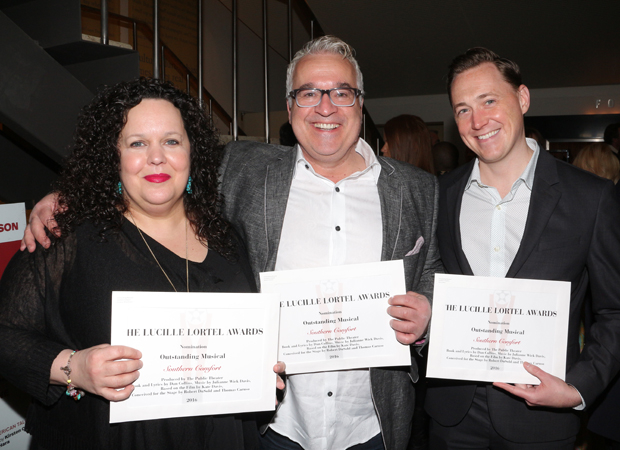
<point>518,212</point>
<point>605,415</point>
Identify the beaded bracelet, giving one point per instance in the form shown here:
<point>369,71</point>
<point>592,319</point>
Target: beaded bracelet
<point>72,390</point>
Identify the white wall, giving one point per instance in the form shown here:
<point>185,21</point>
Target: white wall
<point>574,101</point>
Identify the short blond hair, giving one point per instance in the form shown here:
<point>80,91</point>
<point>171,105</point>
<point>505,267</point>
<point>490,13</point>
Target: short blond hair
<point>599,159</point>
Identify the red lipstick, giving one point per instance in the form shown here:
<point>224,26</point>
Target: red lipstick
<point>157,177</point>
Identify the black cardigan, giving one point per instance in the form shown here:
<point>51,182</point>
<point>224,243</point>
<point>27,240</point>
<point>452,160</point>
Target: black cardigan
<point>60,298</point>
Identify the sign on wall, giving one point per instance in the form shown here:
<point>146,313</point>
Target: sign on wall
<point>13,402</point>
<point>12,225</point>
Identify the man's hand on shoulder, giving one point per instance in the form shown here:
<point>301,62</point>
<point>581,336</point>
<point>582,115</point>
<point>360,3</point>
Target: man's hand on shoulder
<point>42,216</point>
<point>551,391</point>
<point>411,313</point>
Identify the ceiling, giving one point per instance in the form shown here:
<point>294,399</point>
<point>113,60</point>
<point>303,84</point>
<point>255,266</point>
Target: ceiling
<point>405,46</point>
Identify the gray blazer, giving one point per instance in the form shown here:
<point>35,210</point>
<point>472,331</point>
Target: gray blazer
<point>255,183</point>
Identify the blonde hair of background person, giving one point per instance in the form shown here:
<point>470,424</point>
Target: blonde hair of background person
<point>599,159</point>
<point>408,139</point>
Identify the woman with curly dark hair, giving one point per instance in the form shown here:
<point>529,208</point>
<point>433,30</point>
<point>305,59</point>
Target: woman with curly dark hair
<point>138,211</point>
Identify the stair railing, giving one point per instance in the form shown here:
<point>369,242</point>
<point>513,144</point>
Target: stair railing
<point>369,131</point>
<point>213,107</point>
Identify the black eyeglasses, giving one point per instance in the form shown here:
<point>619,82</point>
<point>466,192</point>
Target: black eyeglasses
<point>307,98</point>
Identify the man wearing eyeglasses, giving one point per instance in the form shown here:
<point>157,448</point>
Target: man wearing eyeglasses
<point>330,201</point>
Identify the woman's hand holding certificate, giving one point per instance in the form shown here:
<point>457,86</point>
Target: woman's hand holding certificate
<point>203,353</point>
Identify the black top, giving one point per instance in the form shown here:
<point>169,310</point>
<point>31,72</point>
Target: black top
<point>60,298</point>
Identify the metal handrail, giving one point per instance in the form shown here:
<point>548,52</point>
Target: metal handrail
<point>171,57</point>
<point>234,127</point>
<point>156,43</point>
<point>266,71</point>
<point>369,130</point>
<point>105,40</point>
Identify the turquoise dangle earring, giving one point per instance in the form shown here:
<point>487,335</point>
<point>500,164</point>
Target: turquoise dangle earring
<point>120,188</point>
<point>188,188</point>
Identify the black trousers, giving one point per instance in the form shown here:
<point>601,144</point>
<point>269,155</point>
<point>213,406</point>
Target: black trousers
<point>476,432</point>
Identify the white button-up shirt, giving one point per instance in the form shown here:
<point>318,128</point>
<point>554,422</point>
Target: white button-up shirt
<point>329,224</point>
<point>492,227</point>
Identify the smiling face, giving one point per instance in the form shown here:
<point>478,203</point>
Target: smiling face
<point>154,150</point>
<point>326,133</point>
<point>489,115</point>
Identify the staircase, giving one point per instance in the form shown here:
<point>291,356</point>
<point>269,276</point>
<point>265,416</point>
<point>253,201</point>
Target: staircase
<point>47,74</point>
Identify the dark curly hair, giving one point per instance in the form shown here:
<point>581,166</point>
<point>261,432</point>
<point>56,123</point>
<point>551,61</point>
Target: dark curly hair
<point>88,186</point>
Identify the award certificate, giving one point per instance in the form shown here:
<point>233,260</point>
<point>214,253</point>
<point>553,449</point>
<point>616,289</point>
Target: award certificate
<point>336,318</point>
<point>203,353</point>
<point>484,328</point>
